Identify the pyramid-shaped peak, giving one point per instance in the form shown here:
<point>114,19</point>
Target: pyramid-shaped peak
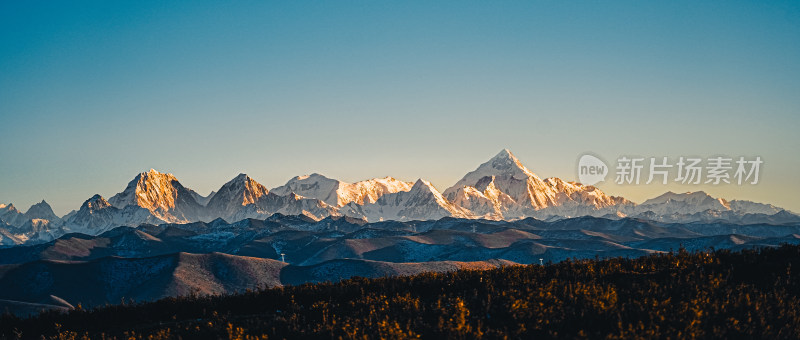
<point>150,176</point>
<point>243,182</point>
<point>242,190</point>
<point>505,160</point>
<point>504,163</point>
<point>241,177</point>
<point>95,202</point>
<point>505,153</point>
<point>422,185</point>
<point>153,173</point>
<point>150,181</point>
<point>154,191</point>
<point>41,210</point>
<point>41,204</point>
<point>507,171</point>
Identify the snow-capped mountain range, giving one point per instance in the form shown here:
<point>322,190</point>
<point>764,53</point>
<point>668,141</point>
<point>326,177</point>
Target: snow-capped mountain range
<point>499,189</point>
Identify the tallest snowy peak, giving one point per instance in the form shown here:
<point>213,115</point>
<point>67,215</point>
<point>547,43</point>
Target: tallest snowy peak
<point>504,163</point>
<point>505,154</point>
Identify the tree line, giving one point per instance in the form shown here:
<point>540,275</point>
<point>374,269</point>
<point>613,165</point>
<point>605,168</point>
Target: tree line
<point>712,294</point>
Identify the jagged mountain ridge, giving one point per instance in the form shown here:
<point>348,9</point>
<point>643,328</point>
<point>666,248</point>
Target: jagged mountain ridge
<point>514,191</point>
<point>232,196</point>
<point>161,194</point>
<point>10,215</point>
<point>501,188</point>
<point>421,202</point>
<point>338,193</point>
<point>243,197</point>
<point>41,211</point>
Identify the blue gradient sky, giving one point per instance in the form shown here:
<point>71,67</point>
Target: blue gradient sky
<point>92,93</point>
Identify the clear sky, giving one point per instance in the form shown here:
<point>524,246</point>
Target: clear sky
<point>91,93</point>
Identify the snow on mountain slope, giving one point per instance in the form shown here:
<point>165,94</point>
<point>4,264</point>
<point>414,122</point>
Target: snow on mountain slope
<point>38,224</point>
<point>575,199</point>
<point>511,178</point>
<point>753,207</point>
<point>243,197</point>
<point>484,199</point>
<point>39,230</point>
<point>293,204</point>
<point>370,190</point>
<point>477,202</point>
<point>232,196</point>
<point>41,211</point>
<point>7,238</point>
<point>571,192</point>
<point>686,203</point>
<point>200,199</point>
<point>702,207</point>
<point>421,202</point>
<point>501,188</point>
<point>10,215</point>
<point>338,193</point>
<point>313,186</point>
<point>97,215</point>
<point>162,195</point>
<point>525,194</point>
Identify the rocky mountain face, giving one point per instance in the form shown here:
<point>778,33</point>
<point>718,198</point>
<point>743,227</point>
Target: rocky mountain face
<point>235,196</point>
<point>97,215</point>
<point>41,211</point>
<point>10,215</point>
<point>500,189</point>
<point>162,195</point>
<point>421,202</point>
<point>337,193</point>
<point>513,191</point>
<point>243,197</point>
